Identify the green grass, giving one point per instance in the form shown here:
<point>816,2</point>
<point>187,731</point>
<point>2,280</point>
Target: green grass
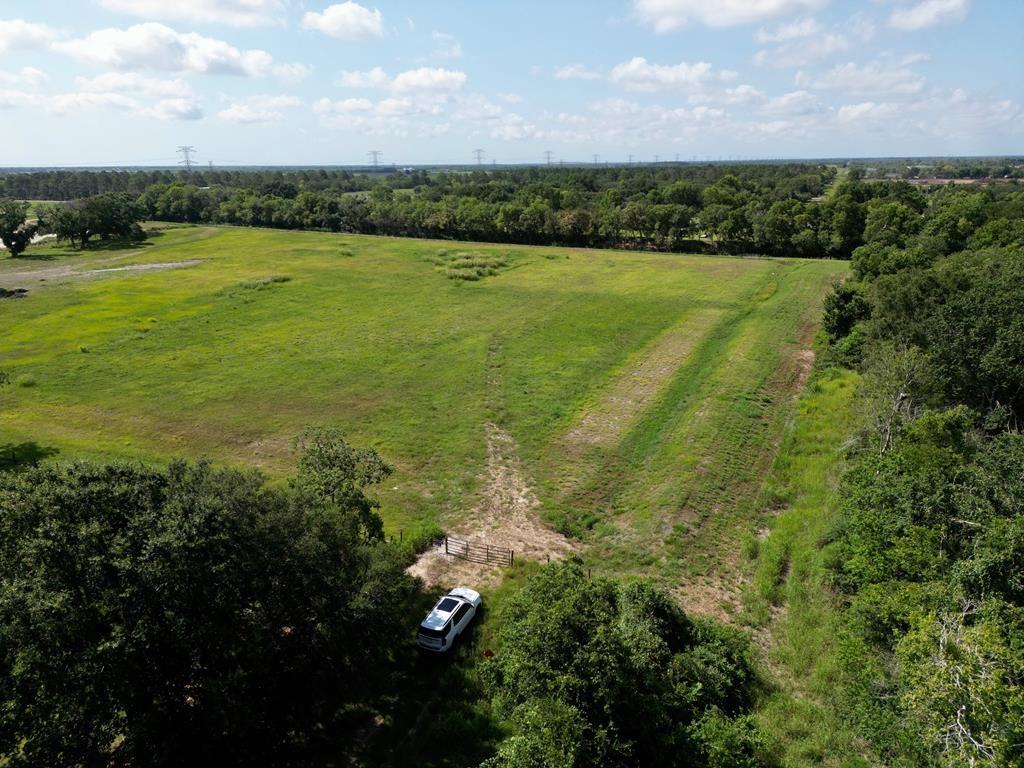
<point>272,331</point>
<point>789,599</point>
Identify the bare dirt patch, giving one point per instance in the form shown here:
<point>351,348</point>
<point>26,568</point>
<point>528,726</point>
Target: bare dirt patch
<point>506,515</point>
<point>69,271</point>
<point>718,598</point>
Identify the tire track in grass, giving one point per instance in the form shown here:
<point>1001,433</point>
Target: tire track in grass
<point>622,401</point>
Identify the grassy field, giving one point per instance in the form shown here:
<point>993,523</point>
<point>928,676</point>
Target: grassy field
<point>645,392</point>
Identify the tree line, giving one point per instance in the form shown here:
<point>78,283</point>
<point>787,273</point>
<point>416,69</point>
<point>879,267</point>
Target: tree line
<point>782,210</point>
<point>927,556</point>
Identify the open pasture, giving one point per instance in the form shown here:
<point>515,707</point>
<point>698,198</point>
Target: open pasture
<point>643,393</point>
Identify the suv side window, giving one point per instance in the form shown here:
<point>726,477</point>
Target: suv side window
<point>460,614</point>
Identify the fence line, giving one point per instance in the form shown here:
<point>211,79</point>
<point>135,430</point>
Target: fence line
<point>485,554</point>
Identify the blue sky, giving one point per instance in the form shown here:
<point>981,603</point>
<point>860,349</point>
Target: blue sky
<point>309,81</point>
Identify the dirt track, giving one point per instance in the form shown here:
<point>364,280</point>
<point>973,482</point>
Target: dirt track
<point>505,516</point>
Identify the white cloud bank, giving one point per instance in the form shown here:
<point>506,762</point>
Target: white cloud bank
<point>670,15</point>
<point>238,13</point>
<point>155,46</point>
<point>18,33</point>
<point>346,21</point>
<point>928,13</point>
<point>259,109</point>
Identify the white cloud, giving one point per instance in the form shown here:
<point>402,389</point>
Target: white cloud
<point>155,46</point>
<point>239,13</point>
<point>134,83</point>
<point>866,110</point>
<point>741,94</point>
<point>346,21</point>
<point>373,78</point>
<point>669,15</point>
<point>793,30</point>
<point>511,98</point>
<point>17,33</point>
<point>446,46</point>
<point>794,104</point>
<point>429,79</point>
<point>638,74</point>
<point>291,73</point>
<point>259,109</point>
<point>26,77</point>
<point>394,116</point>
<point>174,109</point>
<point>325,106</point>
<point>928,13</point>
<point>576,72</point>
<point>874,79</point>
<point>800,53</point>
<point>129,100</point>
<point>424,82</point>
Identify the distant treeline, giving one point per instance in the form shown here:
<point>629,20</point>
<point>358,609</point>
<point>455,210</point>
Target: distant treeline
<point>793,209</point>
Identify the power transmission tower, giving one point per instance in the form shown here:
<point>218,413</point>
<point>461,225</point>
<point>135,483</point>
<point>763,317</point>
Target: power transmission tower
<point>596,158</point>
<point>479,155</point>
<point>548,155</point>
<point>375,156</point>
<point>186,153</point>
<point>210,163</point>
<point>677,157</point>
<point>630,159</point>
<point>656,158</point>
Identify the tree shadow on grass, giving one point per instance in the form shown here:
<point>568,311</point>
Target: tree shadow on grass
<point>442,716</point>
<point>103,246</point>
<point>27,454</point>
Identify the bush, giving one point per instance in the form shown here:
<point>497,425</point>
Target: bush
<point>606,674</point>
<point>845,306</point>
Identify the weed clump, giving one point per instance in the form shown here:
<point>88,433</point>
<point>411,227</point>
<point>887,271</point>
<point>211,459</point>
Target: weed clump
<point>261,283</point>
<point>467,266</point>
<point>25,380</point>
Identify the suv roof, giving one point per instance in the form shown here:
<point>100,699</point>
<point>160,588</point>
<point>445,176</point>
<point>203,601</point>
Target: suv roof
<point>443,611</point>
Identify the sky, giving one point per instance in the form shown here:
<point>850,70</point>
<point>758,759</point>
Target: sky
<point>125,82</point>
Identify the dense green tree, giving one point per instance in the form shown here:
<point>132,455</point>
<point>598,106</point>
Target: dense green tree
<point>15,233</point>
<point>189,617</point>
<point>107,216</point>
<point>890,223</point>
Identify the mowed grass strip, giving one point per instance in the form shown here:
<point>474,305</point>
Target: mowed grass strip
<point>789,599</point>
<point>676,495</point>
<point>272,331</point>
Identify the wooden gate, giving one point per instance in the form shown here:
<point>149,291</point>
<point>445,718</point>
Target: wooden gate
<point>475,552</point>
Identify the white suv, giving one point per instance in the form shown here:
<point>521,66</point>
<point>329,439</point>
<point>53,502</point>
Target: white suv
<point>448,619</point>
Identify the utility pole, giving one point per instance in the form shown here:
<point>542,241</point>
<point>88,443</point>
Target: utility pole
<point>375,156</point>
<point>186,153</point>
<point>548,154</point>
<point>479,155</point>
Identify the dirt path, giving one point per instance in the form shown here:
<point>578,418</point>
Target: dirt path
<point>69,271</point>
<point>506,515</point>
